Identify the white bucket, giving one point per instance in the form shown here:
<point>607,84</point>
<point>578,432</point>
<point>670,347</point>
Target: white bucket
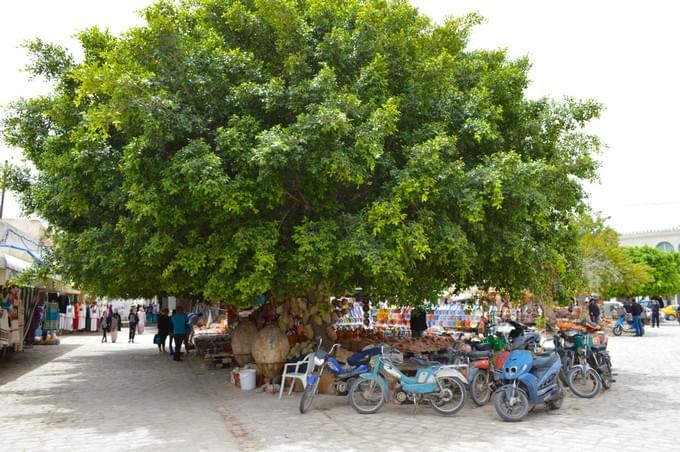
<point>247,378</point>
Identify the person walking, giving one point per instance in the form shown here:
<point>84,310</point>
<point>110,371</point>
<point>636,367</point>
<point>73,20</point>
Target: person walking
<point>636,310</point>
<point>656,308</point>
<point>116,325</point>
<point>179,329</point>
<point>141,319</point>
<point>132,324</point>
<point>164,329</point>
<point>105,325</point>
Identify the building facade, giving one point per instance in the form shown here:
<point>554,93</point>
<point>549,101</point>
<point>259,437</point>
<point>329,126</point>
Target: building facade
<point>666,240</point>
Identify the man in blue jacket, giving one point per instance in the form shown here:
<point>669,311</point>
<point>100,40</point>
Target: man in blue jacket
<point>179,330</point>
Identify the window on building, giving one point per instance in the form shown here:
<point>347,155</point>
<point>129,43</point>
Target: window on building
<point>665,246</point>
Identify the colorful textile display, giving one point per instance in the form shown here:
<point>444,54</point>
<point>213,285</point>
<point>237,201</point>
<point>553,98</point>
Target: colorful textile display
<point>51,319</point>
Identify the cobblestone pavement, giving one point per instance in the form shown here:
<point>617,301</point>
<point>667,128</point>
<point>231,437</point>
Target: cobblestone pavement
<point>639,412</point>
<point>83,395</point>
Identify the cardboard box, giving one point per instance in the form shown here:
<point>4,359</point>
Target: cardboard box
<point>324,383</point>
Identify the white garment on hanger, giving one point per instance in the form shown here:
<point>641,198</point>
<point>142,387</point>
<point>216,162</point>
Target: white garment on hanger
<point>68,320</point>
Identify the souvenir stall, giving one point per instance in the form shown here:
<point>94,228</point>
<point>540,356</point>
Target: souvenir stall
<point>11,322</point>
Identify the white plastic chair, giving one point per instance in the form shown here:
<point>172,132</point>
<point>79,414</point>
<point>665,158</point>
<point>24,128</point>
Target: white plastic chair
<point>292,371</point>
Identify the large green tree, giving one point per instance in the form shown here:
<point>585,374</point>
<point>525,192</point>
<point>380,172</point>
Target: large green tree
<point>665,271</point>
<point>230,148</point>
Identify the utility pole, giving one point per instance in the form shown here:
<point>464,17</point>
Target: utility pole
<point>4,184</point>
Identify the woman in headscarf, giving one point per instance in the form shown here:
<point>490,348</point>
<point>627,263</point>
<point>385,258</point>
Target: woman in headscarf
<point>116,325</point>
<point>141,319</point>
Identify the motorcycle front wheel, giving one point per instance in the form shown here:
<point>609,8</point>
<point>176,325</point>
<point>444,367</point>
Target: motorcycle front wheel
<point>584,383</point>
<point>511,412</point>
<point>451,398</point>
<point>617,330</point>
<point>308,396</point>
<point>366,396</point>
<point>480,387</point>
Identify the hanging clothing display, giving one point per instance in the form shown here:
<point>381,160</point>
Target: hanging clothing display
<point>68,319</point>
<point>4,328</point>
<point>52,317</point>
<point>82,314</point>
<point>94,318</point>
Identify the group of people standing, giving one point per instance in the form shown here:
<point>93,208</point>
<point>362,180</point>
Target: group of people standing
<point>179,327</point>
<point>111,322</point>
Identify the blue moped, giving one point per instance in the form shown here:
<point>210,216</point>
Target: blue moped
<point>443,386</point>
<point>528,380</point>
<point>625,326</point>
<point>343,375</point>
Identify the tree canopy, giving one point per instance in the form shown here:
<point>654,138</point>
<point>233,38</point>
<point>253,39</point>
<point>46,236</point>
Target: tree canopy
<point>665,271</point>
<point>607,267</point>
<point>230,148</point>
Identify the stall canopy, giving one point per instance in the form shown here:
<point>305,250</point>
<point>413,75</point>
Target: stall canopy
<point>11,266</point>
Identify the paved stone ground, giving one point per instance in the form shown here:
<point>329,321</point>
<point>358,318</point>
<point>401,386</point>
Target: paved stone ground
<point>640,411</point>
<point>84,395</point>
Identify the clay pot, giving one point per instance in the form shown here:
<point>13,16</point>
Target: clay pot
<point>270,350</point>
<point>242,341</point>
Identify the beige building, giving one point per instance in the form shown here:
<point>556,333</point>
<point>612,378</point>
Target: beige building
<point>666,239</point>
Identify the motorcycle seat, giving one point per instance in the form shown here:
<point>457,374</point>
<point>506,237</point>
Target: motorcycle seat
<point>543,362</point>
<point>480,354</point>
<point>482,347</point>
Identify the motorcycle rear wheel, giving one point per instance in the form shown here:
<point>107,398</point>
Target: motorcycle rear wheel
<point>585,384</point>
<point>514,413</point>
<point>453,398</point>
<point>480,388</point>
<point>366,396</point>
<point>606,373</point>
<point>308,396</point>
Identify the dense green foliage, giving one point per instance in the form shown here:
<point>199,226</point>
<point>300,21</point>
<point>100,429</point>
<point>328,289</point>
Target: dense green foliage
<point>607,267</point>
<point>299,148</point>
<point>665,271</point>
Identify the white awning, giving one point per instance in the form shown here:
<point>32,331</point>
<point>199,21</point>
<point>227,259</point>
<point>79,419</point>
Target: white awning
<point>13,263</point>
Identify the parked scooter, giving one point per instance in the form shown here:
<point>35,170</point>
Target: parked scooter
<point>344,375</point>
<point>625,326</point>
<point>528,381</point>
<point>441,385</point>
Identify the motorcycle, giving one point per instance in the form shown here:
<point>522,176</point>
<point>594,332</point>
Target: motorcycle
<point>528,380</point>
<point>592,370</point>
<point>489,355</point>
<point>443,386</point>
<point>625,326</point>
<point>343,375</point>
